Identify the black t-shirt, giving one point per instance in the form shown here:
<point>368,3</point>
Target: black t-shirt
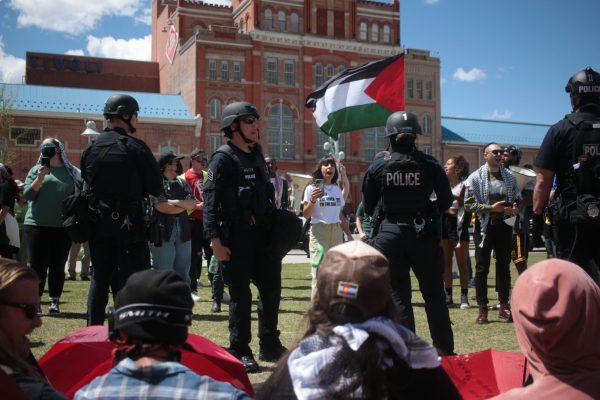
<point>556,151</point>
<point>8,195</point>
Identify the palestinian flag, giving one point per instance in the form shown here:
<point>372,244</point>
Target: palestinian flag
<point>361,97</point>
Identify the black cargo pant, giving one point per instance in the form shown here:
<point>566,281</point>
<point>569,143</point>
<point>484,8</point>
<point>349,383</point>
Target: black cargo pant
<point>398,241</point>
<point>201,246</point>
<point>250,262</point>
<point>116,253</point>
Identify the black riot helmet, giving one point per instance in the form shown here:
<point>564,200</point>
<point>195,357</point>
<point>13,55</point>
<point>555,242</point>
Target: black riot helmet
<point>121,104</point>
<point>585,83</point>
<point>233,111</point>
<point>402,122</point>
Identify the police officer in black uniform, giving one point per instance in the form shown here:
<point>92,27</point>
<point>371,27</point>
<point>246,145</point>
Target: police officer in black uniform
<point>571,151</point>
<point>119,171</point>
<point>409,232</point>
<point>238,204</point>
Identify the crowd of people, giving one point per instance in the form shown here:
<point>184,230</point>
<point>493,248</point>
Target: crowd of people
<point>152,227</point>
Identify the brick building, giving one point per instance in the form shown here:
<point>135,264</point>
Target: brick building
<point>268,52</point>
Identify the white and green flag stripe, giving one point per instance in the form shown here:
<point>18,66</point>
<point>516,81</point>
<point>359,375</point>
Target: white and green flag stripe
<point>359,98</point>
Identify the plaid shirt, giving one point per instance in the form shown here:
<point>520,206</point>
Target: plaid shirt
<point>166,380</point>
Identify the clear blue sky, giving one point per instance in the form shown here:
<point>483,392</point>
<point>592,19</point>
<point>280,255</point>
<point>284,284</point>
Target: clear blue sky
<point>500,59</point>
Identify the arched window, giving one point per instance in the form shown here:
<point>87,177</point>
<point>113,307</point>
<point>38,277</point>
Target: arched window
<point>268,19</point>
<point>427,125</point>
<point>319,75</point>
<point>215,109</point>
<point>330,71</point>
<point>295,21</point>
<point>322,139</point>
<point>363,31</point>
<point>386,34</point>
<point>281,18</point>
<point>375,33</point>
<point>280,129</point>
<point>341,68</point>
<point>241,25</point>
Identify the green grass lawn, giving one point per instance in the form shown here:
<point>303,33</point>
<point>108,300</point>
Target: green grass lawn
<point>468,336</point>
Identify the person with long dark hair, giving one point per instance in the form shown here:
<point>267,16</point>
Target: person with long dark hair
<point>19,316</point>
<point>323,202</point>
<point>9,228</point>
<point>355,346</point>
<point>455,230</point>
<point>48,183</point>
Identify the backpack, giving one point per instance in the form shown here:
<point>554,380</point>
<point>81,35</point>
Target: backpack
<point>77,213</point>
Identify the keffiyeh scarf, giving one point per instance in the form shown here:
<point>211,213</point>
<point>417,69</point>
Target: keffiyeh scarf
<point>308,363</point>
<point>478,183</point>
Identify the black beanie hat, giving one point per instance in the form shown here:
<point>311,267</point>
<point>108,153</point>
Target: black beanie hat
<point>154,306</point>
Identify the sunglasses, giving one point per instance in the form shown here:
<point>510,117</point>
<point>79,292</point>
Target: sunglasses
<point>248,120</point>
<point>31,310</point>
<point>496,152</point>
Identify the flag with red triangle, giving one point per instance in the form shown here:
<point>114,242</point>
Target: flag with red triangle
<point>361,97</point>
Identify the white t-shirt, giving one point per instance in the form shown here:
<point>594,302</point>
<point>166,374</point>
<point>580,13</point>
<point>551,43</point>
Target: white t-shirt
<point>327,208</point>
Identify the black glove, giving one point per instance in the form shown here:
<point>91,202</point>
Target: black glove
<point>537,230</point>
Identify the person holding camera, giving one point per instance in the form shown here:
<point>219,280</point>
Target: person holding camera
<point>48,183</point>
<point>323,202</point>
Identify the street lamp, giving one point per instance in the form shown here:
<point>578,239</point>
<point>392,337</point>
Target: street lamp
<point>90,131</point>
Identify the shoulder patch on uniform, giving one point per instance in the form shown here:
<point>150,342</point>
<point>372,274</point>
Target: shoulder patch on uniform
<point>209,175</point>
<point>347,289</point>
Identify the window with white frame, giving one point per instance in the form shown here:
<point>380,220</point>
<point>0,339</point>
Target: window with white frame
<point>362,31</point>
<point>241,25</point>
<point>168,148</point>
<point>426,148</point>
<point>330,71</point>
<point>268,19</point>
<point>427,124</point>
<point>319,75</point>
<point>224,70</point>
<point>25,136</point>
<point>429,90</point>
<point>280,129</point>
<point>295,21</point>
<point>374,141</point>
<point>272,71</point>
<point>289,72</point>
<point>237,71</point>
<point>322,138</point>
<point>215,142</point>
<point>212,70</point>
<point>386,34</point>
<point>215,109</point>
<point>375,33</point>
<point>419,89</point>
<point>341,68</point>
<point>410,92</point>
<point>281,19</point>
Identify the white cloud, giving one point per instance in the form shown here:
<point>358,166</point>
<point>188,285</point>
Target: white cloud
<point>109,47</point>
<point>71,16</point>
<point>474,74</point>
<point>76,52</point>
<point>144,16</point>
<point>506,114</point>
<point>12,69</point>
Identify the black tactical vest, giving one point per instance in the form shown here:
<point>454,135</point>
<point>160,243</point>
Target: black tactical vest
<point>586,155</point>
<point>252,194</point>
<point>407,182</point>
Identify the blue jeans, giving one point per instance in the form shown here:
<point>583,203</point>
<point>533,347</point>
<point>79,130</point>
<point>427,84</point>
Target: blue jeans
<point>173,254</point>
